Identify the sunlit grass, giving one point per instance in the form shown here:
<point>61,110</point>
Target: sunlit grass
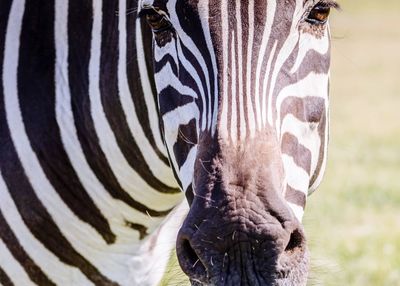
<point>174,275</point>
<point>353,221</point>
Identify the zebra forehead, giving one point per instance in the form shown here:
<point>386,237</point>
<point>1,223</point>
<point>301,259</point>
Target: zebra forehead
<point>217,3</point>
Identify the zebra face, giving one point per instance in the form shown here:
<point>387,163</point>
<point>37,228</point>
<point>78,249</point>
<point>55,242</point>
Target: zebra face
<point>243,100</point>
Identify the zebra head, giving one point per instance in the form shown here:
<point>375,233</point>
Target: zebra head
<point>243,102</point>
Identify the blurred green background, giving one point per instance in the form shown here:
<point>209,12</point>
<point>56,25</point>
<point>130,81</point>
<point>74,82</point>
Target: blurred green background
<point>353,220</point>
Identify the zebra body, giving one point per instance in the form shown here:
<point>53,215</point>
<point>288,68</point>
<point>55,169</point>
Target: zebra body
<point>78,113</point>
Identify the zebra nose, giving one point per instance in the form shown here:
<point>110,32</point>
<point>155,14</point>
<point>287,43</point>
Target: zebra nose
<point>190,260</point>
<point>207,256</point>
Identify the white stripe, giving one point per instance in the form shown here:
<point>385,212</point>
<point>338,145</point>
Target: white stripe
<point>321,173</point>
<point>250,111</point>
<point>296,176</point>
<point>76,232</point>
<point>147,91</point>
<point>284,53</point>
<point>223,125</point>
<point>265,81</point>
<point>306,136</point>
<point>12,267</point>
<point>150,265</point>
<point>169,49</point>
<point>158,168</point>
<point>271,11</point>
<point>192,71</point>
<point>187,170</point>
<point>233,95</point>
<point>50,264</point>
<point>166,78</point>
<point>182,115</point>
<point>145,3</point>
<point>73,229</point>
<point>204,18</point>
<point>126,176</point>
<point>239,59</point>
<point>188,42</point>
<point>297,210</point>
<point>170,79</point>
<point>315,85</point>
<point>114,210</point>
<point>309,42</point>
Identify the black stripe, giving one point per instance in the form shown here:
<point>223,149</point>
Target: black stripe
<point>147,37</point>
<point>235,61</point>
<point>186,79</point>
<point>260,16</point>
<point>140,228</point>
<point>166,59</point>
<point>313,62</point>
<point>174,171</point>
<point>170,99</point>
<point>282,33</point>
<point>79,42</point>
<point>4,279</point>
<point>132,70</point>
<point>228,92</point>
<point>191,24</point>
<point>5,6</point>
<point>112,105</point>
<point>37,100</point>
<point>30,208</point>
<point>245,39</point>
<point>322,128</point>
<point>187,138</point>
<point>308,109</point>
<point>147,41</point>
<point>4,13</point>
<point>301,155</point>
<point>295,197</point>
<point>34,272</point>
<point>196,65</point>
<point>35,216</point>
<point>189,194</point>
<point>7,236</point>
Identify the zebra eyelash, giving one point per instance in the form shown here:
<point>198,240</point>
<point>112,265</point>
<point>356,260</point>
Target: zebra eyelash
<point>147,12</point>
<point>330,4</point>
<point>327,3</point>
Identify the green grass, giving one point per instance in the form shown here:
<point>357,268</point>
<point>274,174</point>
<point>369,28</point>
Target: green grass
<point>353,220</point>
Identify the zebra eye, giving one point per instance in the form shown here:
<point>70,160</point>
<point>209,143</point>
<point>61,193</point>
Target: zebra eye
<point>319,14</point>
<point>156,19</point>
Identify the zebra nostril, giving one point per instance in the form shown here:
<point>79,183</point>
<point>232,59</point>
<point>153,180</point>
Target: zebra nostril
<point>295,242</point>
<point>190,261</point>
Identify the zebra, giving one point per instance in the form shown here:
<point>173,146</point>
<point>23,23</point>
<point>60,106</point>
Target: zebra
<point>112,112</point>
